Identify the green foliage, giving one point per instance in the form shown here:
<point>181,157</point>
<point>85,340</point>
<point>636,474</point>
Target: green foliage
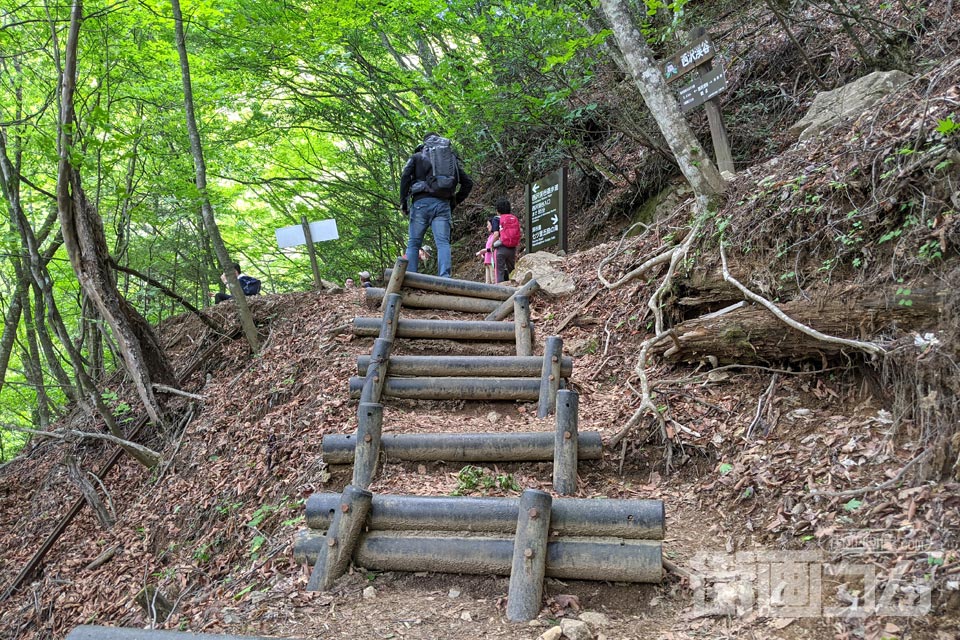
<point>948,126</point>
<point>471,478</point>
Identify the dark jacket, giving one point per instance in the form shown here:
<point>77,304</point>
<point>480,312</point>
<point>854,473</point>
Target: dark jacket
<point>418,168</point>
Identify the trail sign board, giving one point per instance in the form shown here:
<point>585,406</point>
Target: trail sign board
<point>708,85</point>
<point>698,52</point>
<point>546,222</point>
<point>319,231</point>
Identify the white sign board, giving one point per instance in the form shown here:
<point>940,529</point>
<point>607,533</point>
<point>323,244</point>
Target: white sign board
<point>320,230</point>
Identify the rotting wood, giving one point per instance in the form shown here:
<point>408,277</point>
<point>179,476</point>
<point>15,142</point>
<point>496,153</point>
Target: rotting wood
<point>751,334</point>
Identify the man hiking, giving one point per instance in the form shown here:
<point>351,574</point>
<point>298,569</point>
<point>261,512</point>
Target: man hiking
<point>435,182</point>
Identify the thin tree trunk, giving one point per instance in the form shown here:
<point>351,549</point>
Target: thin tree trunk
<point>86,246</point>
<point>694,162</point>
<point>206,209</point>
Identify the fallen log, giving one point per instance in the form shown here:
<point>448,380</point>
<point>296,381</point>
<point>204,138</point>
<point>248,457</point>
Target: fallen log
<point>751,334</point>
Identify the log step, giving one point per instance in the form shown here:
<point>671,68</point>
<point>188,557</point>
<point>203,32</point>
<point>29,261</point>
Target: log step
<point>439,329</point>
<point>463,447</point>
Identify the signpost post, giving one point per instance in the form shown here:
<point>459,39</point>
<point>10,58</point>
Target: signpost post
<point>545,224</point>
<point>304,233</point>
<point>709,82</point>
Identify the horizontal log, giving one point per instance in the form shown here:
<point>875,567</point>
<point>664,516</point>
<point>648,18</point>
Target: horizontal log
<point>455,388</point>
<point>471,366</point>
<point>463,447</point>
<point>454,287</point>
<point>426,300</point>
<point>751,334</point>
<point>439,329</point>
<point>628,519</point>
<point>608,559</point>
<point>90,632</point>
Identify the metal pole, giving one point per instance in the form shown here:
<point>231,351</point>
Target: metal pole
<point>529,556</point>
<point>455,287</point>
<point>607,559</point>
<point>565,448</point>
<point>622,519</point>
<point>367,451</point>
<point>426,300</point>
<point>395,282</point>
<point>454,388</point>
<point>341,539</point>
<point>506,307</point>
<point>439,329</point>
<point>521,325</point>
<point>461,447</point>
<point>467,366</point>
<point>550,376</point>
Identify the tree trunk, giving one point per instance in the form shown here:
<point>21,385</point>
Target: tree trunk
<point>751,334</point>
<point>694,162</point>
<point>206,209</point>
<point>86,245</point>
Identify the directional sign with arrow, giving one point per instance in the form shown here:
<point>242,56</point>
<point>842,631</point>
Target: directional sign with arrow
<point>546,202</point>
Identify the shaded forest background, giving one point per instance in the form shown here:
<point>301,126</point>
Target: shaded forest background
<point>310,109</point>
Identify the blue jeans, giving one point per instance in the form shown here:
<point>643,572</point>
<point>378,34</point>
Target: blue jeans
<point>433,213</point>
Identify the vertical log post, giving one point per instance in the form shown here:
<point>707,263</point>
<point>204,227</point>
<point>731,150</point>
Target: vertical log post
<point>391,315</point>
<point>529,556</point>
<point>550,376</point>
<point>380,358</point>
<point>501,312</point>
<point>566,443</point>
<point>377,371</point>
<point>396,281</point>
<point>521,325</point>
<point>342,538</point>
<point>367,448</point>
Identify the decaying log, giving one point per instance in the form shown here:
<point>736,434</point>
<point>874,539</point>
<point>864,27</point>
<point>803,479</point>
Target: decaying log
<point>751,334</point>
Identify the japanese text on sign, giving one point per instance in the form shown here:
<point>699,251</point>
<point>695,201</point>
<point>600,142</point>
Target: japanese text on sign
<point>687,59</point>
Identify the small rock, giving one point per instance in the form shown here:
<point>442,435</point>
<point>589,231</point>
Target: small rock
<point>369,593</point>
<point>453,593</point>
<point>595,619</point>
<point>576,629</point>
<point>553,633</point>
<point>230,616</point>
<point>466,617</point>
<point>534,623</point>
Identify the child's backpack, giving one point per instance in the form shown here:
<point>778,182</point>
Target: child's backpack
<point>509,230</point>
<point>444,174</point>
<point>250,285</point>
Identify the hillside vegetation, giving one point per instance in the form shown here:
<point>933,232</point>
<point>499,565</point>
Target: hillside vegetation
<point>781,367</point>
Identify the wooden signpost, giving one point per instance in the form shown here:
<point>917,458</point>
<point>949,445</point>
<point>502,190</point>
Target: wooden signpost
<point>709,81</point>
<point>308,233</point>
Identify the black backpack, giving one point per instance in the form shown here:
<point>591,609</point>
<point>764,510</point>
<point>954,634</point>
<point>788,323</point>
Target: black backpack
<point>249,285</point>
<point>444,174</point>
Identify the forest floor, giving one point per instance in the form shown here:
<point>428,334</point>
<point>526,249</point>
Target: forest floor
<point>785,474</point>
<point>213,528</point>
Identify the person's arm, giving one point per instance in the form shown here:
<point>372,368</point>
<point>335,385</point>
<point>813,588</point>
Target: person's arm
<point>466,184</point>
<point>406,179</point>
